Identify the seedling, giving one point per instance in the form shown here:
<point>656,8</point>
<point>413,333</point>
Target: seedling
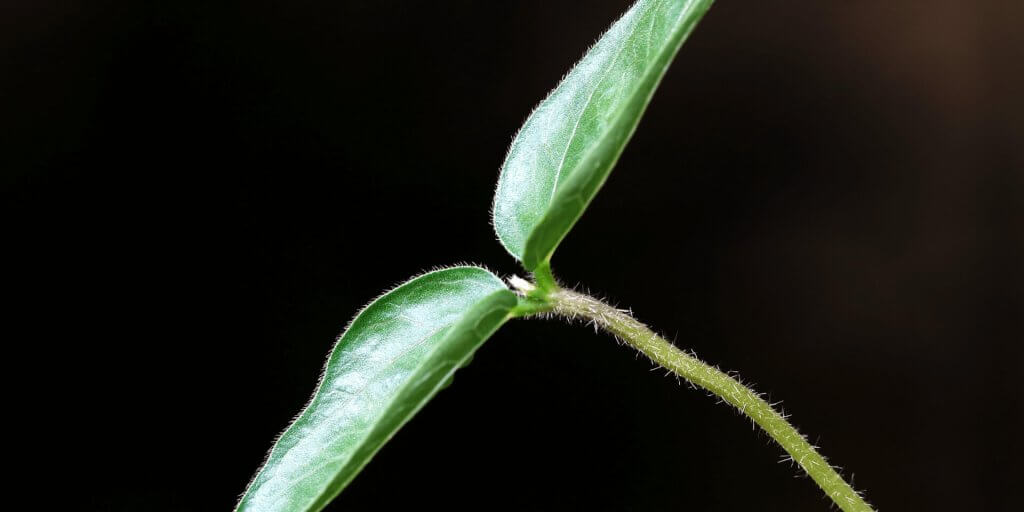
<point>406,345</point>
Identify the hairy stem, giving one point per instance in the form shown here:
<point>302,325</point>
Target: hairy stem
<point>571,304</point>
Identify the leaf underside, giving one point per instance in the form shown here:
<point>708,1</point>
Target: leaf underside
<point>396,354</point>
<point>569,144</point>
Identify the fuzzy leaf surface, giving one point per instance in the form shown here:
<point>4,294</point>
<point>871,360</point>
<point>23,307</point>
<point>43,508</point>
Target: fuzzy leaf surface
<point>396,354</point>
<point>569,144</point>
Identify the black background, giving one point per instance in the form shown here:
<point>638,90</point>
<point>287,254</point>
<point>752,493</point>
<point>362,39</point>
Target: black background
<point>824,196</point>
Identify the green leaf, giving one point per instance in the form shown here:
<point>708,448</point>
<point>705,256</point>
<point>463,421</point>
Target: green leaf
<point>569,144</point>
<point>395,355</point>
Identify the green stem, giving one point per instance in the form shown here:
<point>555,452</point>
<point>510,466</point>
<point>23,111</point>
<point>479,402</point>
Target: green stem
<point>544,278</point>
<point>618,322</point>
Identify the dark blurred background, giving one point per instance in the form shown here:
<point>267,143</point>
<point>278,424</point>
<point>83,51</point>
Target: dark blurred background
<point>824,196</point>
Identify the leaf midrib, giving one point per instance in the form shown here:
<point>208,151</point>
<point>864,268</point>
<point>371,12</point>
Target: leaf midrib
<point>278,495</point>
<point>576,125</point>
<point>618,114</point>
